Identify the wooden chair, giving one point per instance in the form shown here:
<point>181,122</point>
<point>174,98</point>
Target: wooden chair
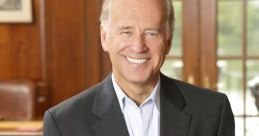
<point>17,100</point>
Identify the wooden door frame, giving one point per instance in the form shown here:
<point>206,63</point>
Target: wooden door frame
<point>199,42</point>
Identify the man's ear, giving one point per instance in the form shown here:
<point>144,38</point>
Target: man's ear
<point>103,35</point>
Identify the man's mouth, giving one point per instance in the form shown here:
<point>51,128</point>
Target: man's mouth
<point>137,61</point>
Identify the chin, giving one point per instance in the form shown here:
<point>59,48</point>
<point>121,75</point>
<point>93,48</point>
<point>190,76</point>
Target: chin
<point>138,79</point>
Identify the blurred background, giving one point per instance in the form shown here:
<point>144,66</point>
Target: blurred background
<point>215,45</point>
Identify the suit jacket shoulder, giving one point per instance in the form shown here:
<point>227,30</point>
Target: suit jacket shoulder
<point>193,94</point>
<point>71,114</point>
<point>201,99</point>
<point>210,111</point>
<point>94,112</point>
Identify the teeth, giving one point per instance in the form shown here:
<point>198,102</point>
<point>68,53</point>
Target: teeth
<point>137,61</point>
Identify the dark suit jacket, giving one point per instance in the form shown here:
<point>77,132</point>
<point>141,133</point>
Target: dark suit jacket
<point>186,110</point>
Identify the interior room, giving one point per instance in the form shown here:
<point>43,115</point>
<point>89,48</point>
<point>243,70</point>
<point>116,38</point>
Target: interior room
<point>50,50</point>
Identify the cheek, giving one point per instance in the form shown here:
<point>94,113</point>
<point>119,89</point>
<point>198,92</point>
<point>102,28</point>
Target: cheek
<point>159,48</point>
<point>119,45</point>
<point>111,44</point>
<point>160,52</point>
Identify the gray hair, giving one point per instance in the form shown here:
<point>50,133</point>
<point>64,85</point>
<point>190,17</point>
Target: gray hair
<point>104,17</point>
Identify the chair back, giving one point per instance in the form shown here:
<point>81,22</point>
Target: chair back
<point>17,100</point>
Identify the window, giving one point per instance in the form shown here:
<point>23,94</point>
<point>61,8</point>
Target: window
<point>216,45</point>
<point>238,60</point>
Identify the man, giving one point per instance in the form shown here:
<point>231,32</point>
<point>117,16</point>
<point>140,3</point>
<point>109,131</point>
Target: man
<point>136,99</point>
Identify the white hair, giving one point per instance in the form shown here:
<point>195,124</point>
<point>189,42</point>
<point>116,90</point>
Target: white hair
<point>106,6</point>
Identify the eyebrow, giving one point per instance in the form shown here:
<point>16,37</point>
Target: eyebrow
<point>153,29</point>
<point>125,28</point>
<point>130,27</point>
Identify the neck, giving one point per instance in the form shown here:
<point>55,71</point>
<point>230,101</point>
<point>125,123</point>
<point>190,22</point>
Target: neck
<point>138,92</point>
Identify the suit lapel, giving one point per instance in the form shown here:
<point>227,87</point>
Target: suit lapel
<point>106,108</point>
<point>174,120</point>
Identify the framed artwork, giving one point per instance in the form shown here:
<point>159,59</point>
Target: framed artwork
<point>15,11</point>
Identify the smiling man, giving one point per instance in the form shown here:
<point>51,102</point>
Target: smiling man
<point>136,99</point>
<point>137,41</point>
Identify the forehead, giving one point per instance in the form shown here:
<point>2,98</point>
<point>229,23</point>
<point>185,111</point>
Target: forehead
<point>137,10</point>
<point>145,3</point>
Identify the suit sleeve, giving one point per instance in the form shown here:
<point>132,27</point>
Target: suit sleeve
<point>227,123</point>
<point>50,127</point>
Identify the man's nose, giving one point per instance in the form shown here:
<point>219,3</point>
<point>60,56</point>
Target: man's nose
<point>139,44</point>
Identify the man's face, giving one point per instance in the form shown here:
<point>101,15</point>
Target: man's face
<point>136,40</point>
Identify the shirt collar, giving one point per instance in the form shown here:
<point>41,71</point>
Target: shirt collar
<point>154,96</point>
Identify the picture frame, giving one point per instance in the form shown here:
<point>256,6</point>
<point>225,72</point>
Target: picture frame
<point>15,11</point>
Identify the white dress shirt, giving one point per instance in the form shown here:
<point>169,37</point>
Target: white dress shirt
<point>143,120</point>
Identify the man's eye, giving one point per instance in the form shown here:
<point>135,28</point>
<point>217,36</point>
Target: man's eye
<point>126,33</point>
<point>151,34</point>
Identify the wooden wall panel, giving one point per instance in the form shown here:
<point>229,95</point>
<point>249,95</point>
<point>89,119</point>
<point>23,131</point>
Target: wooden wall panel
<point>65,48</point>
<point>73,47</point>
<point>5,60</point>
<point>20,49</point>
<point>93,47</point>
<point>60,50</point>
<point>20,53</point>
